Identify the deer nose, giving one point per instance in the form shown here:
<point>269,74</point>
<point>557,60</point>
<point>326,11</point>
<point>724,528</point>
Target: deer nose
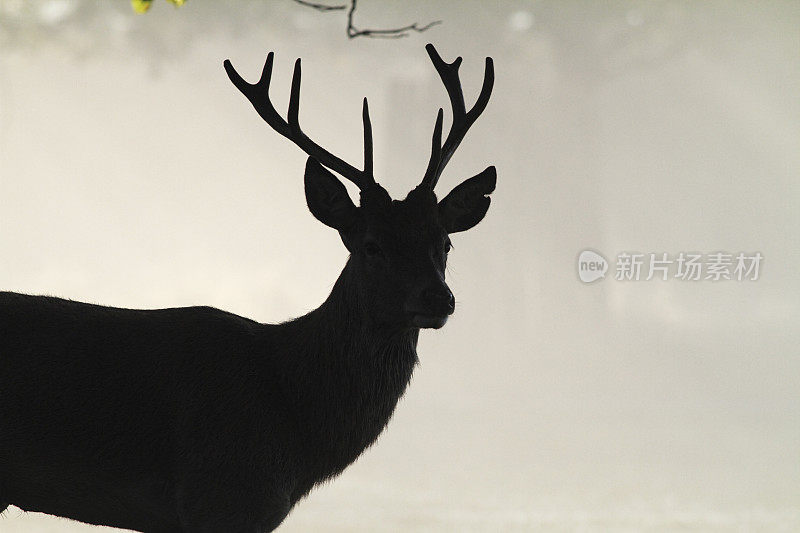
<point>439,300</point>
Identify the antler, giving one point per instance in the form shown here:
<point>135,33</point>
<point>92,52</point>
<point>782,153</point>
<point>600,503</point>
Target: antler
<point>462,119</point>
<point>258,94</point>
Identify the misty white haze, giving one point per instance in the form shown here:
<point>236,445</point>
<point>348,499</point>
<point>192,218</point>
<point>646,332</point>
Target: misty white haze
<point>133,174</point>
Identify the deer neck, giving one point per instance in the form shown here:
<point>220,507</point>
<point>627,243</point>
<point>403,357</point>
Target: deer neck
<point>345,356</point>
<point>349,375</point>
<point>351,332</point>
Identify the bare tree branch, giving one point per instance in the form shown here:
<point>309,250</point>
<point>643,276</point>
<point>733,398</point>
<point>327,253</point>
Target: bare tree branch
<point>353,32</point>
<point>320,7</point>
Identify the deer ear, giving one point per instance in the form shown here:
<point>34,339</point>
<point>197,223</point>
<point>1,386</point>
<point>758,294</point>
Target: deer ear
<point>327,197</point>
<point>467,204</point>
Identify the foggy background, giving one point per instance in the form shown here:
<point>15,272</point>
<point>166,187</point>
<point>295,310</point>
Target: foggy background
<point>133,174</point>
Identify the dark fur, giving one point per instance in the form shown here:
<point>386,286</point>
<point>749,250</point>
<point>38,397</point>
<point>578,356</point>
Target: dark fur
<point>187,419</point>
<point>198,420</point>
<point>194,419</point>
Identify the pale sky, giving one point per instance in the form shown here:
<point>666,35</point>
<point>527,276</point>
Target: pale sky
<point>132,173</point>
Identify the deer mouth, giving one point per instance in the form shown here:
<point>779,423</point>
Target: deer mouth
<point>429,321</point>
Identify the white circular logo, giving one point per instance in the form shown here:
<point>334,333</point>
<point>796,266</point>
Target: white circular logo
<point>591,266</point>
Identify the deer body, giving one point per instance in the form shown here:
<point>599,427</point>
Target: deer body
<point>185,396</point>
<point>195,419</point>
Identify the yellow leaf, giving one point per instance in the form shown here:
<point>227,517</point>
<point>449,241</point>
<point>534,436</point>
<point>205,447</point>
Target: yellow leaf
<point>141,6</point>
<point>177,2</point>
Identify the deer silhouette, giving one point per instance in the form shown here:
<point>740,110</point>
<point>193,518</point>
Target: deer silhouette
<point>195,419</point>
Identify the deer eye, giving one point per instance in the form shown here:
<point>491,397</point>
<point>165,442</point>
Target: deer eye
<point>372,249</point>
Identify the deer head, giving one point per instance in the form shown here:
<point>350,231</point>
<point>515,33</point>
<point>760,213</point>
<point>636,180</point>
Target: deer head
<point>398,247</point>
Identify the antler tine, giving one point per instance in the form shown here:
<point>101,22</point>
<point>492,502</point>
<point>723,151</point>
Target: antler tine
<point>449,74</point>
<point>462,119</point>
<point>436,148</point>
<point>367,141</point>
<point>258,95</point>
<point>294,100</point>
